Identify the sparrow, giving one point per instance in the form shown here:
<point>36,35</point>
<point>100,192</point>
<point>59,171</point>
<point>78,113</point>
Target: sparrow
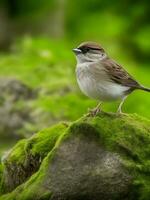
<point>100,77</point>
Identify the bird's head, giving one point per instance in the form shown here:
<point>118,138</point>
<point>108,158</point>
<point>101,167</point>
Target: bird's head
<point>89,52</point>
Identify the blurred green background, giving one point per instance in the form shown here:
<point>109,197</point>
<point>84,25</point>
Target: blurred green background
<point>37,67</point>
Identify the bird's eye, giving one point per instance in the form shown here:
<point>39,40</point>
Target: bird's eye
<point>85,50</point>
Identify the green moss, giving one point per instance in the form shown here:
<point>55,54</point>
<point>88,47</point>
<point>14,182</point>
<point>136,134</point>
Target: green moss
<point>126,135</point>
<point>34,187</point>
<point>40,144</point>
<point>26,156</point>
<point>43,142</point>
<point>17,153</point>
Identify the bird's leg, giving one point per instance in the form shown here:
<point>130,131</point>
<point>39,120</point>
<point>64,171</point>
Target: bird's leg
<point>119,111</point>
<point>93,112</point>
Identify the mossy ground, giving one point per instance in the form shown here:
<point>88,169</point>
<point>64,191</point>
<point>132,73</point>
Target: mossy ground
<point>126,135</point>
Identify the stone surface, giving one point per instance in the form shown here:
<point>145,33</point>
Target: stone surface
<point>83,169</point>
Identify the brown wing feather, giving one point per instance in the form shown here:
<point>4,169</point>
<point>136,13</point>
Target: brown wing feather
<point>119,75</point>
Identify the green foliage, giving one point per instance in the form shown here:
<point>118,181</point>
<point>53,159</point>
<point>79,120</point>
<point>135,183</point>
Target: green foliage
<point>21,8</point>
<point>121,24</point>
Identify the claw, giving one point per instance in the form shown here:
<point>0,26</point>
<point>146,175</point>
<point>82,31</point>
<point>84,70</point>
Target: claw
<point>95,111</point>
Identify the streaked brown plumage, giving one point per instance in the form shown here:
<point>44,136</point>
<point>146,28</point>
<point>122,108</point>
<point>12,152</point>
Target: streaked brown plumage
<point>118,74</point>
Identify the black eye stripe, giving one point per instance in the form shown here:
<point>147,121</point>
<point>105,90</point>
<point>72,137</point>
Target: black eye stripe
<point>95,49</point>
<point>86,49</point>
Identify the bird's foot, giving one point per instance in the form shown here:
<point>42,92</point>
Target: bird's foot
<point>119,112</point>
<point>93,112</point>
<point>123,114</point>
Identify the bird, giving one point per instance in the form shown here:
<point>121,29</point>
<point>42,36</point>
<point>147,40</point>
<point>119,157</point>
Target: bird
<point>100,77</point>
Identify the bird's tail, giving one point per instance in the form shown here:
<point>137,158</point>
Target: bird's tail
<point>144,88</point>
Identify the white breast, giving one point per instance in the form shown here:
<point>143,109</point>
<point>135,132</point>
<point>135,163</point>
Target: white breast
<point>100,88</point>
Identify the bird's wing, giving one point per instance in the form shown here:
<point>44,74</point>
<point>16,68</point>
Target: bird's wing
<point>118,74</point>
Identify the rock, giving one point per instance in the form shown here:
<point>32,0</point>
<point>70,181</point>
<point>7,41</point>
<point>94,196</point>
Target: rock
<point>103,157</point>
<point>85,170</point>
<point>14,112</point>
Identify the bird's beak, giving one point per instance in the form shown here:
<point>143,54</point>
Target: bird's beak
<point>76,51</point>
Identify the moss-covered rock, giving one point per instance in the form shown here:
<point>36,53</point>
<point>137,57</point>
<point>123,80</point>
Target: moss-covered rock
<point>101,157</point>
<point>25,158</point>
